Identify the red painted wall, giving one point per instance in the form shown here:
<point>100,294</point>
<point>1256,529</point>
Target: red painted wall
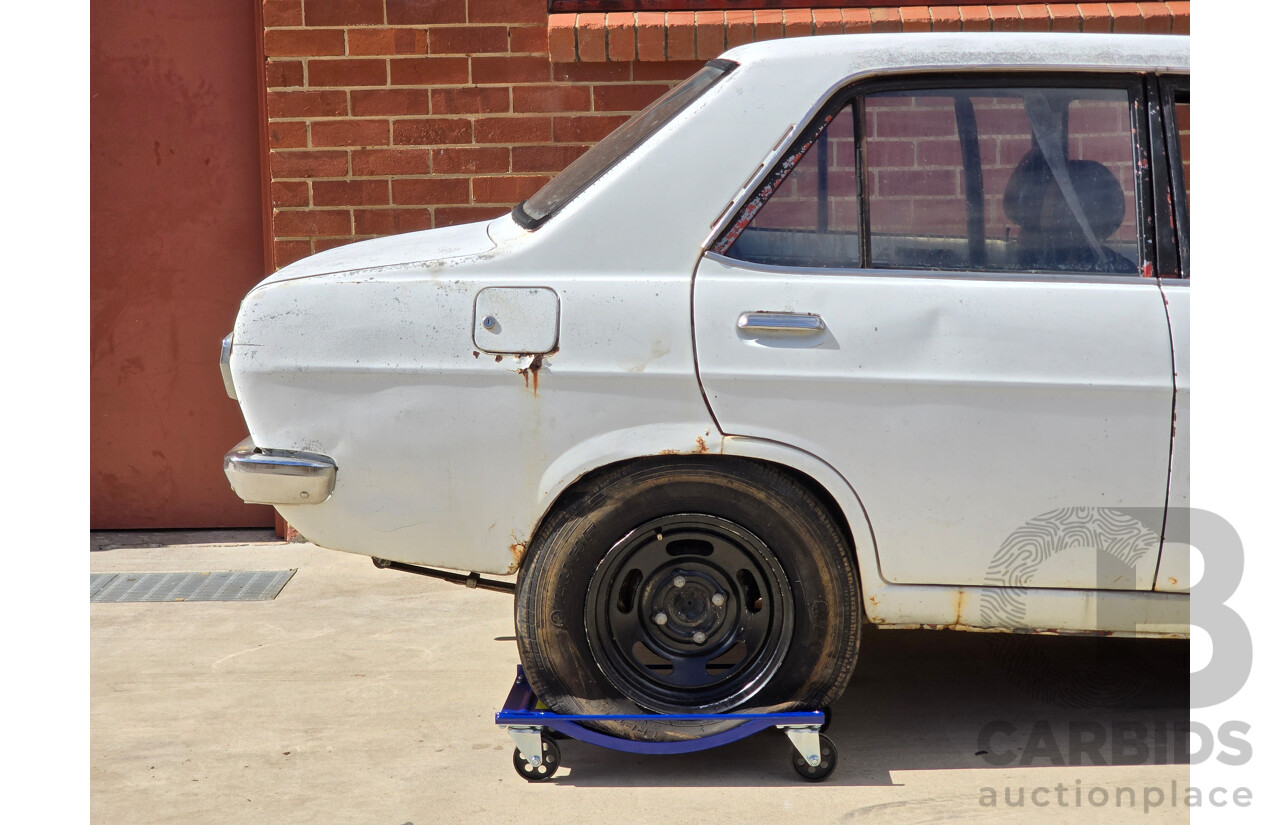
<point>176,223</point>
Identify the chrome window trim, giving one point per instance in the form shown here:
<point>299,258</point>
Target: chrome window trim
<point>940,274</point>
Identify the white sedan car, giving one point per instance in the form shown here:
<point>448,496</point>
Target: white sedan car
<point>887,329</point>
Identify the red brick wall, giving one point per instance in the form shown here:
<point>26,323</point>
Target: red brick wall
<point>387,116</point>
<point>916,174</point>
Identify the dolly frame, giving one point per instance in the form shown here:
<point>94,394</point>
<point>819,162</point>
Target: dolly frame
<point>537,757</point>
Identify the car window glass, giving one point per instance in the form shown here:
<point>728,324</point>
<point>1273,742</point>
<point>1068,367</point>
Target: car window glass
<point>580,174</point>
<point>807,213</point>
<point>1020,179</point>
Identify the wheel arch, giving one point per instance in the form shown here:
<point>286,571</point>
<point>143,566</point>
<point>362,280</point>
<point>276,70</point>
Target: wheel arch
<point>819,478</point>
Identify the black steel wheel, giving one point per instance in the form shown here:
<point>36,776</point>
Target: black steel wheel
<point>689,612</point>
<point>816,773</point>
<point>546,769</point>
<point>687,585</point>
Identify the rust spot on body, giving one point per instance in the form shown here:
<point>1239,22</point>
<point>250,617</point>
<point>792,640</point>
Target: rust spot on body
<point>702,445</point>
<point>757,202</point>
<point>517,553</point>
<point>530,373</point>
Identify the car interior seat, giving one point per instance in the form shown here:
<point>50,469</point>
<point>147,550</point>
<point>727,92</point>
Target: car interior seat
<point>1050,237</point>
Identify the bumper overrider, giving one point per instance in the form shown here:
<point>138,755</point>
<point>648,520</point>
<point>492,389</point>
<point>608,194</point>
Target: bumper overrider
<point>279,476</point>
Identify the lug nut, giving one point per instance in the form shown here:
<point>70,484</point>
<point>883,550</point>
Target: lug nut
<point>699,637</point>
<point>718,600</point>
<point>678,581</point>
<point>659,618</point>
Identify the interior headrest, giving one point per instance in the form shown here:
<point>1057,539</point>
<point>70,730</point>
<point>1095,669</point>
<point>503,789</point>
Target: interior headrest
<point>1033,201</point>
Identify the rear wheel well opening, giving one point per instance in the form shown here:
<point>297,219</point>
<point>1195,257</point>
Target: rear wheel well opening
<point>584,482</point>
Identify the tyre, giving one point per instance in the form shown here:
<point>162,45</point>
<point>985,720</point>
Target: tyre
<point>687,586</point>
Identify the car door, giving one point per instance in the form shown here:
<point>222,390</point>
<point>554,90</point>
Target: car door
<point>940,292</point>
<point>1172,113</point>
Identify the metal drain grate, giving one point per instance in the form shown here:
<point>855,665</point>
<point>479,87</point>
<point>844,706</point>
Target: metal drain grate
<point>226,586</point>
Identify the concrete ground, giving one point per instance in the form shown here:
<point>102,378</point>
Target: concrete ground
<point>367,696</point>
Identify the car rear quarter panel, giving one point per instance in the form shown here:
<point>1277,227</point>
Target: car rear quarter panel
<point>445,454</point>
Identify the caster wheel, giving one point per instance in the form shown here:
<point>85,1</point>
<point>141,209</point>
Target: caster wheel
<point>819,772</point>
<point>546,769</point>
<point>826,720</point>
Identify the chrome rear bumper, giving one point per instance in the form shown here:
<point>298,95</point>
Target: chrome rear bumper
<point>281,477</point>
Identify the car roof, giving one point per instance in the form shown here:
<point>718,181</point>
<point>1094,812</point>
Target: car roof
<point>849,54</point>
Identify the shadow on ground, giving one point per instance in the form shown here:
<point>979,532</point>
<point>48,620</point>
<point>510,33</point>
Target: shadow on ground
<point>942,700</point>
<point>100,540</point>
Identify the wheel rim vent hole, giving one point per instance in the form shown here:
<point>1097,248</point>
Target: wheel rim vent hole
<point>627,592</point>
<point>752,598</point>
<point>689,547</point>
<point>651,660</point>
<point>726,661</point>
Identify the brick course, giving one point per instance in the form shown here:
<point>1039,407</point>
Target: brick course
<point>393,115</point>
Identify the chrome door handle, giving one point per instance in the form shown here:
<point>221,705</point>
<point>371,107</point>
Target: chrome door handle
<point>784,322</point>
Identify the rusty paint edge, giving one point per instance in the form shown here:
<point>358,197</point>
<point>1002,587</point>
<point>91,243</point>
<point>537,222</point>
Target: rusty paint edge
<point>1037,631</point>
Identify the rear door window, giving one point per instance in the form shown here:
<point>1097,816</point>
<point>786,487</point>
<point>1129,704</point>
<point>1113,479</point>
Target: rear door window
<point>975,177</point>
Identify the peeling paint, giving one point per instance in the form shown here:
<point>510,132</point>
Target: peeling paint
<point>1030,631</point>
<point>757,201</point>
<point>530,371</point>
